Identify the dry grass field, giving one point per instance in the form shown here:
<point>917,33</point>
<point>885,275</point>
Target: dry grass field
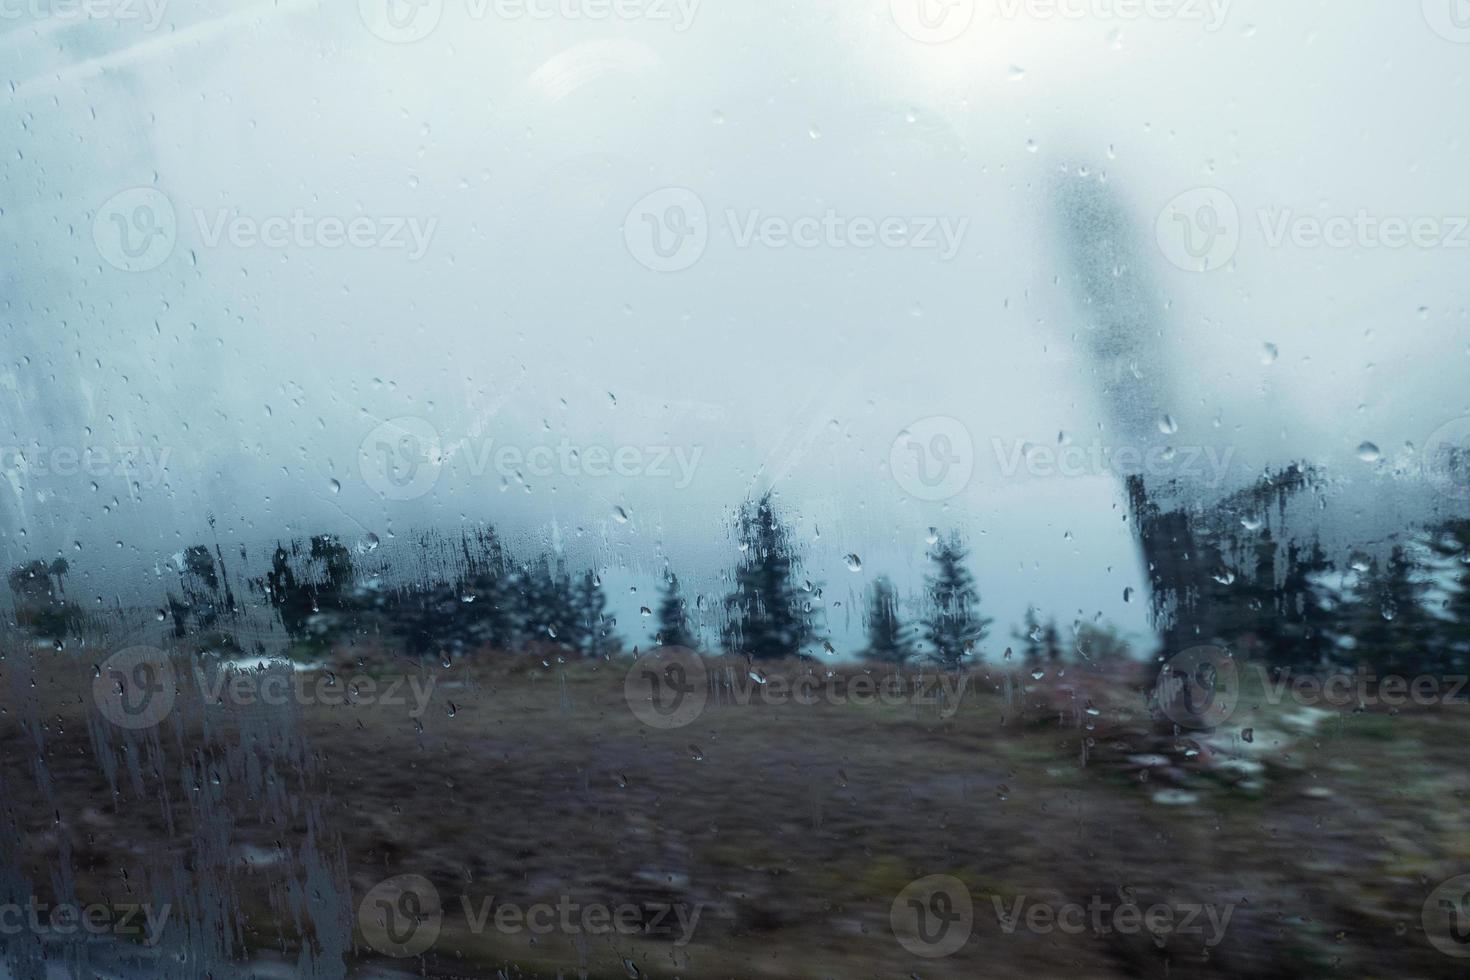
<point>790,828</point>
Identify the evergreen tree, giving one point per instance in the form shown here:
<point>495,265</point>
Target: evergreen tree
<point>1451,546</point>
<point>1394,632</point>
<point>673,620</point>
<point>1030,638</point>
<point>549,606</point>
<point>486,583</point>
<point>1307,610</point>
<point>954,626</point>
<point>334,589</point>
<point>1051,642</point>
<point>478,608</point>
<point>1262,614</point>
<point>313,597</point>
<point>291,599</point>
<point>594,632</point>
<point>40,599</point>
<point>1101,644</point>
<point>202,602</point>
<point>766,619</point>
<point>888,639</point>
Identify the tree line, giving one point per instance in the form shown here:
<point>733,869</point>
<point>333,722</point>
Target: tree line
<point>1214,578</point>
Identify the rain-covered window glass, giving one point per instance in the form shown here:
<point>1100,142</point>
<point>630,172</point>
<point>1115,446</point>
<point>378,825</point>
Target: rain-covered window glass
<point>706,489</point>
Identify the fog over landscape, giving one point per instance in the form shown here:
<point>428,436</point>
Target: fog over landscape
<point>501,302</point>
<point>734,488</point>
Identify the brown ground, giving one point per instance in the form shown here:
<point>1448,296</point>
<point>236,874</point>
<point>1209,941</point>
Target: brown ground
<point>795,827</point>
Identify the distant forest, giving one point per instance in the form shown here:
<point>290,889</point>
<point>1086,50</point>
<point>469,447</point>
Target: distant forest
<point>1216,575</point>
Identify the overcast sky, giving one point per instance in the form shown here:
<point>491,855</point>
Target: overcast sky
<point>500,174</point>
